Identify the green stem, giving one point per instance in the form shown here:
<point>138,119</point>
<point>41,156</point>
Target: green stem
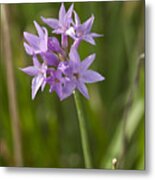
<point>83,132</point>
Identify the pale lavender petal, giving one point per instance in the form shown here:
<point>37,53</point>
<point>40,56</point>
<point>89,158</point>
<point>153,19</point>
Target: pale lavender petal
<point>36,84</point>
<point>39,30</point>
<point>43,85</point>
<point>77,19</point>
<point>36,62</point>
<point>44,41</point>
<point>87,25</point>
<point>69,12</point>
<point>71,32</point>
<point>77,43</point>
<point>33,40</point>
<point>91,76</point>
<point>58,89</point>
<point>28,49</point>
<point>88,38</point>
<point>53,23</point>
<point>74,55</point>
<point>96,35</point>
<point>30,70</point>
<point>54,45</point>
<point>50,58</point>
<point>64,41</point>
<point>87,62</point>
<point>58,31</point>
<point>68,89</point>
<point>83,89</point>
<point>62,12</point>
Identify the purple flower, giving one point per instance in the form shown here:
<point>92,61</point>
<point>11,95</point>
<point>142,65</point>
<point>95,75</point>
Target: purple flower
<point>60,83</point>
<point>39,72</point>
<point>63,71</point>
<point>82,31</point>
<point>55,80</point>
<point>62,24</point>
<point>78,73</point>
<point>36,44</point>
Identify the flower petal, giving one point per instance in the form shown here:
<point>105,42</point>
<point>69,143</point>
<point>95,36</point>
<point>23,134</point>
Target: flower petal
<point>70,32</point>
<point>39,29</point>
<point>44,41</point>
<point>30,70</point>
<point>53,23</point>
<point>88,38</point>
<point>83,89</point>
<point>87,25</point>
<point>54,45</point>
<point>32,39</point>
<point>87,62</point>
<point>58,89</point>
<point>68,15</point>
<point>91,76</point>
<point>77,19</point>
<point>36,62</point>
<point>68,89</point>
<point>50,58</point>
<point>64,40</point>
<point>74,55</point>
<point>62,12</point>
<point>58,31</point>
<point>43,85</point>
<point>28,49</point>
<point>96,35</point>
<point>36,84</point>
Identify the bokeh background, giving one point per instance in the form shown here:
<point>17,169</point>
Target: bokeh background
<point>46,133</point>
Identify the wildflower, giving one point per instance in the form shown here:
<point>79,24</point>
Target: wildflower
<point>62,24</point>
<point>61,68</point>
<point>55,81</point>
<point>78,73</point>
<point>36,44</point>
<point>39,72</point>
<point>82,31</point>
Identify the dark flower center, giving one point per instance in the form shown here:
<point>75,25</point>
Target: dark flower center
<point>76,75</point>
<point>56,80</point>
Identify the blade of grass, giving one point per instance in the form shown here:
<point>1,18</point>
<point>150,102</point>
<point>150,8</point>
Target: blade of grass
<point>11,86</point>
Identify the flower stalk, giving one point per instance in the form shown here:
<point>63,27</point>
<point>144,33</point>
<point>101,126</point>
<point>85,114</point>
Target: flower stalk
<point>83,132</point>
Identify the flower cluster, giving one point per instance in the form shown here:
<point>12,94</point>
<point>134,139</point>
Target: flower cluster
<point>61,66</point>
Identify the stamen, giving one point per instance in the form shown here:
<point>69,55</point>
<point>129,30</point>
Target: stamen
<point>76,75</point>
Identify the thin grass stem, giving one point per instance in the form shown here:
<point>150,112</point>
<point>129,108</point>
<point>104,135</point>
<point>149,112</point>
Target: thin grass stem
<point>83,132</point>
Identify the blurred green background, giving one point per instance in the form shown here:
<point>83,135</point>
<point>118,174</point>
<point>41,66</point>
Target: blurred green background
<point>49,129</point>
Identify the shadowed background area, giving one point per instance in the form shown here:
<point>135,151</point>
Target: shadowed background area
<point>45,132</point>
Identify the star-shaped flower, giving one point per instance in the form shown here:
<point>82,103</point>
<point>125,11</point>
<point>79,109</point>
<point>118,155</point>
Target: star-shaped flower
<point>39,72</point>
<point>55,82</point>
<point>82,31</point>
<point>78,73</point>
<point>62,24</point>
